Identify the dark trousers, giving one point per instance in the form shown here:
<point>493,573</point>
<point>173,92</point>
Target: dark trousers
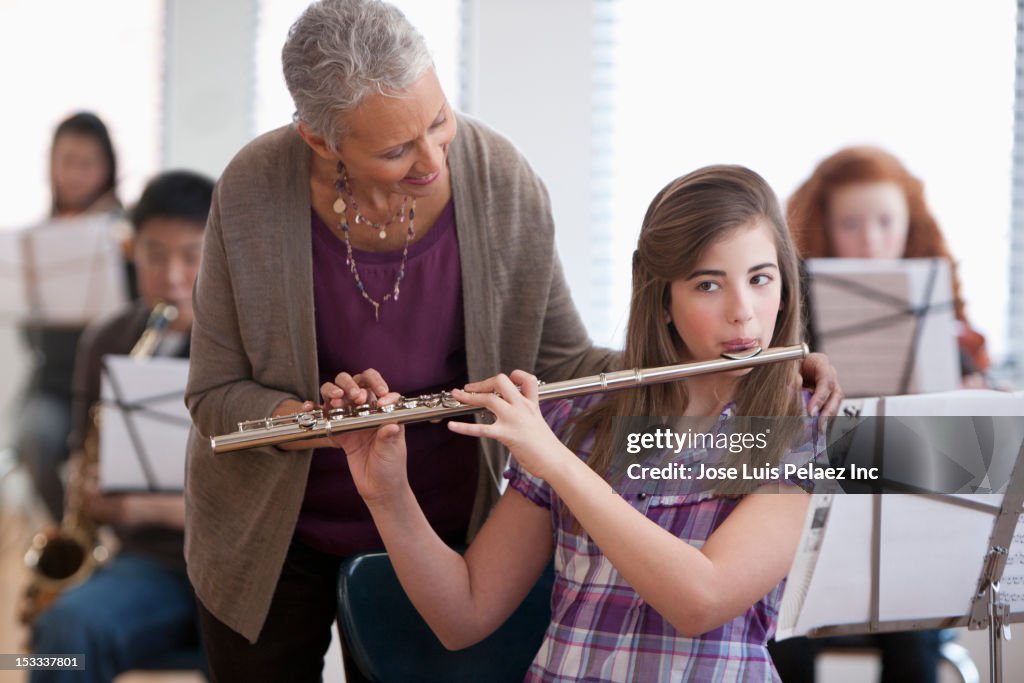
<point>907,657</point>
<point>41,442</point>
<point>297,631</point>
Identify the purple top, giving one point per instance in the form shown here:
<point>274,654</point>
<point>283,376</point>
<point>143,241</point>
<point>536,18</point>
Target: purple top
<point>601,629</point>
<point>419,346</point>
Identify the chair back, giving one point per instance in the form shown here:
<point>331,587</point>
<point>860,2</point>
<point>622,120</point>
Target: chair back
<point>391,643</point>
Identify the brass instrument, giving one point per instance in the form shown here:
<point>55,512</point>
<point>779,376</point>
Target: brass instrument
<point>318,423</point>
<point>65,556</point>
<point>156,327</point>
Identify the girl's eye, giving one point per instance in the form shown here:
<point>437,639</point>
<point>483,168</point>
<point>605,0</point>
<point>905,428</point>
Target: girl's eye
<point>707,286</point>
<point>396,154</point>
<point>760,279</point>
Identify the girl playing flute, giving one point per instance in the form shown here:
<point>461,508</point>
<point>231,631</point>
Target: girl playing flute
<point>648,587</point>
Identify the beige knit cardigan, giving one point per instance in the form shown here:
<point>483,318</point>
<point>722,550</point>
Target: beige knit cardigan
<point>254,345</point>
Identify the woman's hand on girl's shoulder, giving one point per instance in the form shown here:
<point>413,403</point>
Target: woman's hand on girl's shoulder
<point>827,394</point>
<point>518,421</point>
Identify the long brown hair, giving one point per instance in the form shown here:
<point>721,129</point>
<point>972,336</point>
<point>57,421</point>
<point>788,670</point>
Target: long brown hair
<point>808,208</point>
<point>685,218</point>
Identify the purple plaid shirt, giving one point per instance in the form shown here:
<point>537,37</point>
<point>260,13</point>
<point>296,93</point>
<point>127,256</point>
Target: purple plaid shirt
<point>601,629</point>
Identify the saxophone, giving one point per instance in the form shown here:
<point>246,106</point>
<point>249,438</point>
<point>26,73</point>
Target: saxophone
<point>64,556</point>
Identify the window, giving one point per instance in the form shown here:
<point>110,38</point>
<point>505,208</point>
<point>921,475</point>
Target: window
<point>778,86</point>
<point>63,56</point>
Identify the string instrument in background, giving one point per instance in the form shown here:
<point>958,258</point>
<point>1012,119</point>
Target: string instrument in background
<point>315,424</point>
<point>64,556</point>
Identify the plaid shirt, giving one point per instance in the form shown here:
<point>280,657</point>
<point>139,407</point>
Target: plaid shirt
<point>601,629</point>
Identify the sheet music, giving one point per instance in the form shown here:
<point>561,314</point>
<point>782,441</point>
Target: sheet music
<point>931,551</point>
<point>64,272</point>
<point>144,424</point>
<point>959,402</point>
<point>1012,582</point>
<point>860,309</point>
<point>78,271</point>
<point>923,575</point>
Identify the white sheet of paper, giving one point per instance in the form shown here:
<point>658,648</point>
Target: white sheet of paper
<point>931,559</point>
<point>957,402</point>
<point>932,552</point>
<point>871,361</point>
<point>73,270</point>
<point>1012,582</point>
<point>160,427</point>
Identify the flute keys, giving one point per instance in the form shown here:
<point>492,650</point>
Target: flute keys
<point>306,420</point>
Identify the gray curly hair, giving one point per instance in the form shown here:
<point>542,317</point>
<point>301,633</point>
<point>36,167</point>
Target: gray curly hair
<point>340,51</point>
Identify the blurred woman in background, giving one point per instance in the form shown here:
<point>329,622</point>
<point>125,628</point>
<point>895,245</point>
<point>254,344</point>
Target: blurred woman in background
<point>862,202</point>
<point>83,180</point>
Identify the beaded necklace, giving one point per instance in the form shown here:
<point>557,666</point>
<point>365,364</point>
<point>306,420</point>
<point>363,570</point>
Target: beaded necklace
<point>342,185</point>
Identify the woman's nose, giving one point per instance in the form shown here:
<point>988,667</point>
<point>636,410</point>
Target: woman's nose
<point>431,157</point>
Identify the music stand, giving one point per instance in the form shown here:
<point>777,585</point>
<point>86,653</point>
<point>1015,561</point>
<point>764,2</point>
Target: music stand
<point>945,573</point>
<point>887,326</point>
<point>63,273</point>
<point>143,425</point>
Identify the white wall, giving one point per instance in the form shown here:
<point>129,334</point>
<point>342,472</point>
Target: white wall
<point>209,82</point>
<point>529,65</point>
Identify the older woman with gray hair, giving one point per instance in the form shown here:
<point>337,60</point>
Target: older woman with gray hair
<point>366,235</point>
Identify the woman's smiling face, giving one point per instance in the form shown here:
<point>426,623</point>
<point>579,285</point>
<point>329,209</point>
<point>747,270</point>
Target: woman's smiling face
<point>399,143</point>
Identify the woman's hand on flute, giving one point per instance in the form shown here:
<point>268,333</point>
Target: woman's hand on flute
<point>376,457</point>
<point>347,390</point>
<point>518,421</point>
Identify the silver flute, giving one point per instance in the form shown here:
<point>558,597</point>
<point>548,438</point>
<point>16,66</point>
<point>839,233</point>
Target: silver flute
<point>314,424</point>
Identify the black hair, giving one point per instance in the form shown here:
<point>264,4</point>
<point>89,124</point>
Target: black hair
<point>174,194</point>
<point>89,125</point>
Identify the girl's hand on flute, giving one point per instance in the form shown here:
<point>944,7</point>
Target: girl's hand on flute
<point>346,390</point>
<point>377,460</point>
<point>376,457</point>
<point>518,421</point>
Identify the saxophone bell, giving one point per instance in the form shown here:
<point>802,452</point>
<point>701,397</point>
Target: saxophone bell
<point>66,555</point>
